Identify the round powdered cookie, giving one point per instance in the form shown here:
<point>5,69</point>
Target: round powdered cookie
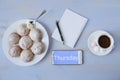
<point>15,51</point>
<point>26,55</point>
<point>37,48</point>
<point>25,42</point>
<point>22,30</point>
<point>13,38</point>
<point>35,34</point>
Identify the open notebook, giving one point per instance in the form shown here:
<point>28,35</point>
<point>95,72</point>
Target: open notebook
<point>71,25</point>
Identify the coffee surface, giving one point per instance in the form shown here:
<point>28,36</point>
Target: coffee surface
<point>104,41</point>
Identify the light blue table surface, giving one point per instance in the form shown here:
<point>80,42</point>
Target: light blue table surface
<point>102,15</point>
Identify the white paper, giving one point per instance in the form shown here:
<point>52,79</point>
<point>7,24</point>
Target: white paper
<point>71,25</point>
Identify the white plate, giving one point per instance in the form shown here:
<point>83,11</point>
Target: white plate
<point>17,60</point>
<point>92,38</point>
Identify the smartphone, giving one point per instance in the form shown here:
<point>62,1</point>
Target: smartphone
<point>67,57</point>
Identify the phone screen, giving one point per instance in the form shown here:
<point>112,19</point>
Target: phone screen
<point>67,57</point>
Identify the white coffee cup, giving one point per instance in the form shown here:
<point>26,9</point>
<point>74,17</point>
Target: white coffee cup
<point>103,47</point>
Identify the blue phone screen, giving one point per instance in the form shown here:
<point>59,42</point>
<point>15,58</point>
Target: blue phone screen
<point>66,57</point>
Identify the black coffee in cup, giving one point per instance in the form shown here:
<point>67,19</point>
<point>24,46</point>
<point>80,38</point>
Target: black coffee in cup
<point>104,41</point>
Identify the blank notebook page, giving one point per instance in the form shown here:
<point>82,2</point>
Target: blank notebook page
<point>71,25</point>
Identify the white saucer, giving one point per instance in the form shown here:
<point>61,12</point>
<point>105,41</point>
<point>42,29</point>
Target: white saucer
<point>6,46</point>
<point>91,39</point>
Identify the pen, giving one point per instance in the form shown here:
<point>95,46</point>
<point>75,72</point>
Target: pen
<point>57,23</point>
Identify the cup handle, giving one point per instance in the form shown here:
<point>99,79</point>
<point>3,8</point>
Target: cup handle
<point>94,44</point>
